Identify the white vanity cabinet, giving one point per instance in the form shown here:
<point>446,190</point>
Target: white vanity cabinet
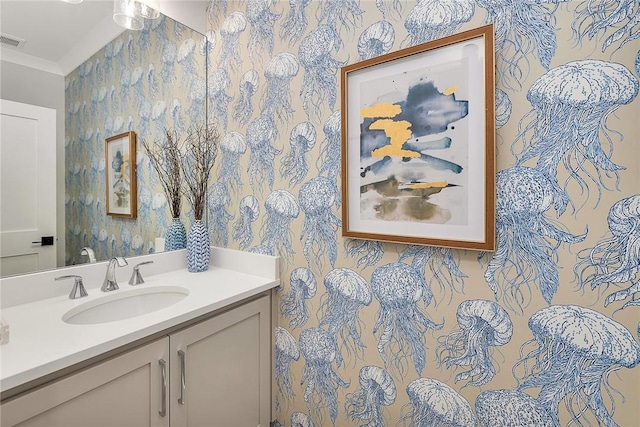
<point>214,373</point>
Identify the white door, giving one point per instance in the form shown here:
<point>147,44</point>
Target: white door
<point>27,187</point>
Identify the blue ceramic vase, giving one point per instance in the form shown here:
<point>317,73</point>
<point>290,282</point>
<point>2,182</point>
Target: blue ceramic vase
<point>176,236</point>
<point>198,247</point>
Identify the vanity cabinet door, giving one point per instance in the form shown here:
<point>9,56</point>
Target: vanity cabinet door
<point>221,369</point>
<point>123,391</point>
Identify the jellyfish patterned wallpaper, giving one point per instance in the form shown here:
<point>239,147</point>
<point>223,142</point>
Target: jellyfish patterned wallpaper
<point>150,83</point>
<point>543,331</point>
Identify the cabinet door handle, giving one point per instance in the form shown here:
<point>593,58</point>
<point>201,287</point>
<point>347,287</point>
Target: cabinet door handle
<point>163,369</point>
<point>183,376</point>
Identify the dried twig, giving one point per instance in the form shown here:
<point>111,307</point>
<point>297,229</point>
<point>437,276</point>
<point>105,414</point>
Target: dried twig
<point>164,155</point>
<point>200,149</point>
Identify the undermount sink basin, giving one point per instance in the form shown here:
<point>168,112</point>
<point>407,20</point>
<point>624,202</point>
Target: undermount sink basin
<point>125,304</point>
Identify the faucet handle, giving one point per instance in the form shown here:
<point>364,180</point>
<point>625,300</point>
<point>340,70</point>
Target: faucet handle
<point>136,276</point>
<point>78,290</point>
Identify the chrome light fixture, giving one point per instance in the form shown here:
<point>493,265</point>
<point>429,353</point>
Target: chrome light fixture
<point>131,14</point>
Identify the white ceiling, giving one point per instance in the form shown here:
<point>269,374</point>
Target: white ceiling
<point>60,36</point>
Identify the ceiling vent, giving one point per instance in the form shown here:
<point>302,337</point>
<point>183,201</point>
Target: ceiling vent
<point>12,41</point>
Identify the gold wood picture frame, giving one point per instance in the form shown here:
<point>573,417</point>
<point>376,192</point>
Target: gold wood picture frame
<point>120,169</point>
<point>418,144</point>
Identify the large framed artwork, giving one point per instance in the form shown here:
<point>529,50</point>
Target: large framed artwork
<point>120,167</point>
<point>418,153</point>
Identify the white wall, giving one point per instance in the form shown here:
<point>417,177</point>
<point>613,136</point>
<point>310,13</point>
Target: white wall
<point>35,87</point>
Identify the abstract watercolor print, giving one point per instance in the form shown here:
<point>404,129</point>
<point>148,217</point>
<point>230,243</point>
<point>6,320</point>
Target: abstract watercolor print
<point>413,138</point>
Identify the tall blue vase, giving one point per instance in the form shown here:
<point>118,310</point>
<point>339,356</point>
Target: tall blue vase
<point>176,236</point>
<point>198,247</point>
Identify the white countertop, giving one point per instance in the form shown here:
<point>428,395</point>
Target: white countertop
<point>42,343</point>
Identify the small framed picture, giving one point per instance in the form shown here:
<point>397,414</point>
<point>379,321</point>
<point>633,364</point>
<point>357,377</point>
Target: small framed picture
<point>120,167</point>
<point>418,160</point>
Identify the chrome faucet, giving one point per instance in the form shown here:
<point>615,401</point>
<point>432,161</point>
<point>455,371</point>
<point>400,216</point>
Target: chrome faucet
<point>136,276</point>
<point>89,252</point>
<point>110,283</point>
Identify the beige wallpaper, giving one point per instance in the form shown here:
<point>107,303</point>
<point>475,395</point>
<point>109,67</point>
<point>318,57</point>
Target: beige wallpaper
<point>544,331</point>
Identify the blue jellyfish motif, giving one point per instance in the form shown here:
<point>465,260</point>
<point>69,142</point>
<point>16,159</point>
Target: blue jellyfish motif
<point>570,106</point>
<point>293,304</point>
<point>400,324</point>
<point>197,99</point>
<point>435,404</point>
<point>152,82</point>
<point>262,20</point>
<point>576,351</point>
<point>330,149</point>
<point>131,49</point>
<point>126,239</point>
<point>215,9</point>
<point>320,69</point>
<point>511,408</point>
<point>522,28</point>
<point>136,84</point>
<point>376,40</point>
<point>230,31</point>
<point>298,419</point>
<point>503,108</point>
<point>481,325</point>
<point>276,101</point>
<point>377,389</point>
<point>369,251</point>
<point>390,8</point>
<point>207,43</point>
<point>295,22</point>
<point>525,255</point>
<point>232,147</point>
<point>186,58</point>
<point>145,198</point>
<point>98,71</point>
<point>145,116</point>
<point>125,82</point>
<point>102,99</point>
<point>347,12</point>
<point>249,212</point>
<point>95,232</point>
<point>175,110</point>
<point>137,244</point>
<point>260,132</point>
<point>217,86</point>
<point>108,58</point>
<point>637,63</point>
<point>158,113</point>
<point>118,52</point>
<point>286,352</point>
<point>294,164</point>
<point>317,197</point>
<point>595,17</point>
<point>168,59</point>
<point>442,264</point>
<point>319,350</point>
<point>282,208</point>
<point>616,260</point>
<point>94,101</point>
<point>243,106</point>
<point>434,19</point>
<point>346,293</point>
<point>103,238</point>
<point>218,216</point>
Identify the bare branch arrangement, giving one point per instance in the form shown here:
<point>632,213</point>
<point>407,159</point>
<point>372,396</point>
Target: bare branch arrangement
<point>199,151</point>
<point>164,155</point>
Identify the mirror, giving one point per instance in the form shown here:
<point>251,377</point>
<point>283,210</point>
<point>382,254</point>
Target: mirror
<point>142,81</point>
